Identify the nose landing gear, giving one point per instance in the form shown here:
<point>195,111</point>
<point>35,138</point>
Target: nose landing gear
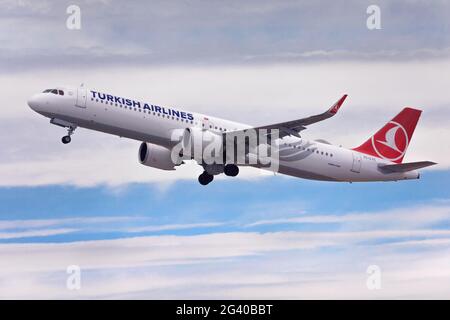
<point>66,139</point>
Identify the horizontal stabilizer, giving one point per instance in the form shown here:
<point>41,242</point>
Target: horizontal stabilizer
<point>405,167</point>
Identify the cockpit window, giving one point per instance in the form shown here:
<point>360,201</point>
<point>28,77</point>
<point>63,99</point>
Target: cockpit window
<point>54,91</point>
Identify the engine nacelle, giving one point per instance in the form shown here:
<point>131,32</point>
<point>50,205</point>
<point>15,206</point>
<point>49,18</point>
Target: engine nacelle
<point>156,156</point>
<point>202,145</point>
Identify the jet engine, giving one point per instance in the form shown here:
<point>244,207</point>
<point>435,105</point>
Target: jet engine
<point>156,156</point>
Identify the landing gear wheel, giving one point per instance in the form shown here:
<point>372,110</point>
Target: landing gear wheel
<point>231,170</point>
<point>205,178</point>
<point>66,139</point>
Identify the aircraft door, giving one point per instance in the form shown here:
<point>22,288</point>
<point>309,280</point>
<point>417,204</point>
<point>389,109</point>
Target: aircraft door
<point>81,97</point>
<point>207,124</point>
<point>356,165</point>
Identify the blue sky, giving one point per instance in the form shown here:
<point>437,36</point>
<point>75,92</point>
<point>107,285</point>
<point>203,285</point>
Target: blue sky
<point>138,232</point>
<point>227,205</point>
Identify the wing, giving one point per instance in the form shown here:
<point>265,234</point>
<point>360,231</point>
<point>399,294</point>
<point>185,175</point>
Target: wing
<point>295,126</point>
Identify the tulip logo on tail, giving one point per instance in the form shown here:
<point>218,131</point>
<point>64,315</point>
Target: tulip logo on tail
<point>391,142</point>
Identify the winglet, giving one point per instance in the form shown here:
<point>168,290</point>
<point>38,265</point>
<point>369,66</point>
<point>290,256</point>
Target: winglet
<point>335,107</point>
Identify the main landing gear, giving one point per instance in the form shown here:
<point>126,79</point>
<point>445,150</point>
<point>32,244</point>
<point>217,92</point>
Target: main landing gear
<point>206,177</point>
<point>66,139</point>
<point>231,170</point>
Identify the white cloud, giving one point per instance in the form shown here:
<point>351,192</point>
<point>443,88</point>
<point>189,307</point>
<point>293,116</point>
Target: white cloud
<point>16,229</point>
<point>203,33</point>
<point>35,233</point>
<point>414,260</point>
<point>418,216</point>
<point>172,227</point>
<point>240,265</point>
<point>40,223</point>
<point>348,55</point>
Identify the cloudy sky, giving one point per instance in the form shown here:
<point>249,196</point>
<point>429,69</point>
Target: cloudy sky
<point>137,232</point>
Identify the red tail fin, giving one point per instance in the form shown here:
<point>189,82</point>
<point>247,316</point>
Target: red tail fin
<point>391,141</point>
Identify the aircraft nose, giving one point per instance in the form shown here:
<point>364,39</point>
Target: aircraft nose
<point>34,101</point>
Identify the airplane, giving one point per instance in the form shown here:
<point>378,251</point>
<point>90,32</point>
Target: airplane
<point>379,158</point>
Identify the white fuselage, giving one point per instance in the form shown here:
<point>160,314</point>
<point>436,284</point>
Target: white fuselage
<point>114,115</point>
